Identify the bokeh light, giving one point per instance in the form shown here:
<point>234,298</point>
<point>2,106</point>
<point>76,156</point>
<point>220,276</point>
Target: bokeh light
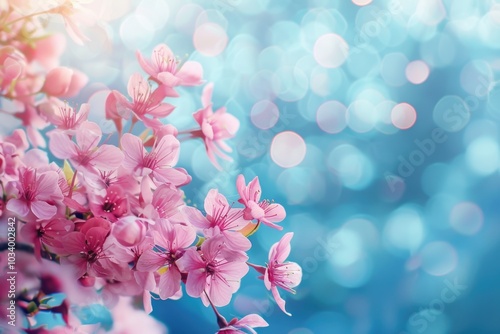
<point>403,116</point>
<point>330,50</point>
<point>210,39</point>
<point>288,149</point>
<point>417,72</point>
<point>331,117</point>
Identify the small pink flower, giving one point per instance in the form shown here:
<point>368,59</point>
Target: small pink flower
<point>216,127</point>
<point>12,67</point>
<point>158,163</point>
<point>165,202</point>
<point>279,273</point>
<point>129,231</point>
<point>170,241</point>
<point>263,211</point>
<point>47,233</point>
<point>164,67</point>
<point>86,252</point>
<point>37,193</point>
<point>113,205</point>
<point>215,270</point>
<point>220,218</point>
<point>145,102</point>
<point>63,116</point>
<point>85,153</point>
<point>248,322</point>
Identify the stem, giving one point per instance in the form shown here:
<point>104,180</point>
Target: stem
<point>220,319</point>
<point>72,185</point>
<point>29,16</point>
<point>131,126</point>
<point>187,131</point>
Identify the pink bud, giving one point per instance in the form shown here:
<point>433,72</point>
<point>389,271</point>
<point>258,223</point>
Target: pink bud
<point>87,281</point>
<point>78,81</point>
<point>129,231</point>
<point>58,81</point>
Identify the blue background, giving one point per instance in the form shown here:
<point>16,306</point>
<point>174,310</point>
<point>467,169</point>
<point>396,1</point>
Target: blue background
<point>382,226</point>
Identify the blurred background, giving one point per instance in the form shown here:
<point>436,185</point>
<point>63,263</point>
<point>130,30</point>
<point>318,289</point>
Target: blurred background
<point>375,123</point>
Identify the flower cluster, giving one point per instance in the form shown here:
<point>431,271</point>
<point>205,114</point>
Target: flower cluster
<point>111,211</point>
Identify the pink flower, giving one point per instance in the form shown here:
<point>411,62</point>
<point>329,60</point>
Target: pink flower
<point>170,241</point>
<point>111,206</point>
<point>220,218</point>
<point>37,193</point>
<point>85,153</point>
<point>279,273</point>
<point>215,270</point>
<point>165,68</point>
<point>105,179</point>
<point>165,202</point>
<point>129,231</point>
<point>144,103</point>
<point>63,116</point>
<point>12,67</point>
<point>86,252</point>
<point>47,233</point>
<point>264,211</point>
<point>215,127</point>
<point>158,163</point>
<point>247,322</point>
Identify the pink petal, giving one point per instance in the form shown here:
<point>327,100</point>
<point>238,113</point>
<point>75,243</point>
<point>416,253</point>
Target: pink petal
<point>17,206</point>
<point>237,241</point>
<point>190,73</point>
<point>150,261</point>
<point>146,301</point>
<point>43,210</point>
<point>61,146</point>
<point>170,283</point>
<point>57,81</point>
<point>74,242</point>
<point>252,320</point>
<point>107,157</point>
<point>174,176</point>
<point>280,250</point>
<point>137,85</point>
<point>233,269</point>
<point>241,188</point>
<point>168,79</point>
<point>275,213</point>
<point>280,301</point>
<point>47,186</point>
<point>162,110</point>
<point>254,190</point>
<point>78,81</point>
<point>95,237</point>
<point>195,217</point>
<point>134,151</point>
<point>219,291</point>
<point>206,95</point>
<point>190,261</point>
<point>195,283</point>
<point>88,136</point>
<point>145,64</point>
